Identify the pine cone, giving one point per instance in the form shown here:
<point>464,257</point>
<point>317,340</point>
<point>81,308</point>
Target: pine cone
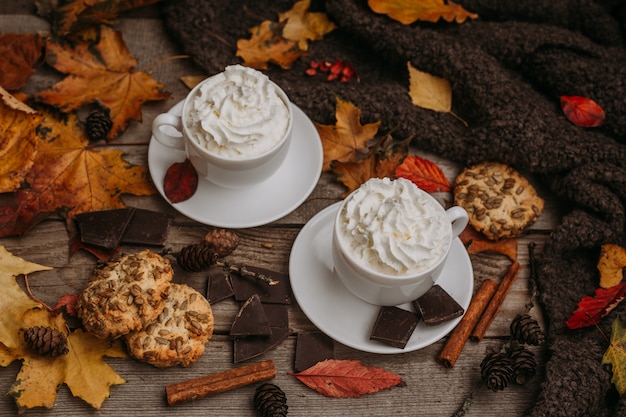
<point>98,124</point>
<point>525,329</point>
<point>46,341</point>
<point>524,364</point>
<point>496,371</point>
<point>270,400</point>
<point>196,257</point>
<point>222,241</point>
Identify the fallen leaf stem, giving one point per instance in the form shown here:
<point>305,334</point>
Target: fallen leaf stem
<point>31,295</point>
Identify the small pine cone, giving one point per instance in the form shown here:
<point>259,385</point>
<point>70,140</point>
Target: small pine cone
<point>524,364</point>
<point>196,257</point>
<point>496,371</point>
<point>46,341</point>
<point>98,124</point>
<point>270,400</point>
<point>525,329</point>
<point>222,241</point>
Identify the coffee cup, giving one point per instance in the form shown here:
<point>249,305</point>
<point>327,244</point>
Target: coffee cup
<point>235,127</point>
<point>391,241</point>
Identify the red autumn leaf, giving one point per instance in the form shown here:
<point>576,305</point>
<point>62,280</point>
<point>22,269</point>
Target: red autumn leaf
<point>346,378</point>
<point>18,54</point>
<point>582,111</point>
<point>423,173</point>
<point>69,302</point>
<point>181,181</point>
<point>591,309</point>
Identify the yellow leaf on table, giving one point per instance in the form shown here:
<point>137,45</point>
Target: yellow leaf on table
<point>341,141</point>
<point>18,140</point>
<point>15,302</point>
<point>409,11</point>
<point>615,355</point>
<point>611,264</point>
<point>302,25</point>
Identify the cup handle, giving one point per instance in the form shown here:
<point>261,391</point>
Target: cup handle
<point>172,138</point>
<point>458,217</point>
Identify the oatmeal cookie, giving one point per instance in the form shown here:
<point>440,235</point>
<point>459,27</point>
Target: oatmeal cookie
<point>125,295</point>
<point>179,335</point>
<point>499,201</point>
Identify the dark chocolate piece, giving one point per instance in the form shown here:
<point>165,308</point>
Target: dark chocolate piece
<point>312,348</point>
<point>147,227</point>
<point>245,287</point>
<point>394,326</point>
<point>249,347</point>
<point>251,319</point>
<point>104,228</point>
<point>437,306</point>
<point>218,286</point>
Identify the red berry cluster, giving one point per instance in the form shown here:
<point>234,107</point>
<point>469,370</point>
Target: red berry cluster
<point>338,70</point>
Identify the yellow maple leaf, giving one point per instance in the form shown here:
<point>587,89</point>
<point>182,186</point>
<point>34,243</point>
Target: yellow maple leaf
<point>81,369</point>
<point>100,70</point>
<point>267,45</point>
<point>302,25</point>
<point>409,11</point>
<point>18,141</point>
<point>15,302</point>
<point>342,141</point>
<point>615,355</point>
<point>430,92</point>
<point>611,264</point>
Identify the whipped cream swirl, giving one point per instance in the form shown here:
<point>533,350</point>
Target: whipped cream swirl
<point>392,226</point>
<point>238,113</point>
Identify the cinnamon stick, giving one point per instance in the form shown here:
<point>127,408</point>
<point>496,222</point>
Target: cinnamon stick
<point>220,382</point>
<point>496,302</point>
<point>453,347</point>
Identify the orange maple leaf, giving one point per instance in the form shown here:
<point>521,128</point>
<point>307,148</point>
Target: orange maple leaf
<point>67,173</point>
<point>100,71</point>
<point>75,15</point>
<point>18,54</point>
<point>303,25</point>
<point>423,173</point>
<point>476,242</point>
<point>342,141</point>
<point>267,45</point>
<point>409,11</point>
<point>18,142</point>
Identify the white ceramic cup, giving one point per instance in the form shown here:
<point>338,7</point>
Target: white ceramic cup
<point>388,288</point>
<point>174,131</point>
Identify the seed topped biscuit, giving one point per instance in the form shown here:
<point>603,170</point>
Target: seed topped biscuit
<point>499,201</point>
<point>179,334</point>
<point>125,295</point>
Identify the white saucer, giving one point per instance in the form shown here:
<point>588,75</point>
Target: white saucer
<point>345,317</point>
<point>263,203</point>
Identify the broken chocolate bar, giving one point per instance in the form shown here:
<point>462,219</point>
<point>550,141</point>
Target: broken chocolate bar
<point>394,326</point>
<point>147,227</point>
<point>249,347</point>
<point>312,348</point>
<point>218,286</point>
<point>437,306</point>
<point>104,228</point>
<point>251,319</point>
<point>245,287</point>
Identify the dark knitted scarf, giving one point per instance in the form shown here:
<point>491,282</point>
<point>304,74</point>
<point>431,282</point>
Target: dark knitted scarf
<point>507,69</point>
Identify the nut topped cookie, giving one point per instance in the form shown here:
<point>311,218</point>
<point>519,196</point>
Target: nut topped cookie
<point>125,295</point>
<point>179,334</point>
<point>499,201</point>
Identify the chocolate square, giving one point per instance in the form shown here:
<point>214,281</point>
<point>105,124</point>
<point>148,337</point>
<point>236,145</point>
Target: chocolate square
<point>245,287</point>
<point>147,227</point>
<point>394,326</point>
<point>104,228</point>
<point>437,306</point>
<point>218,285</point>
<point>312,348</point>
<point>249,347</point>
<point>251,319</point>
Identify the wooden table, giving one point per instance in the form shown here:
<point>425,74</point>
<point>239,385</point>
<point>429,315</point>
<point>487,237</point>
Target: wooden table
<point>429,389</point>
